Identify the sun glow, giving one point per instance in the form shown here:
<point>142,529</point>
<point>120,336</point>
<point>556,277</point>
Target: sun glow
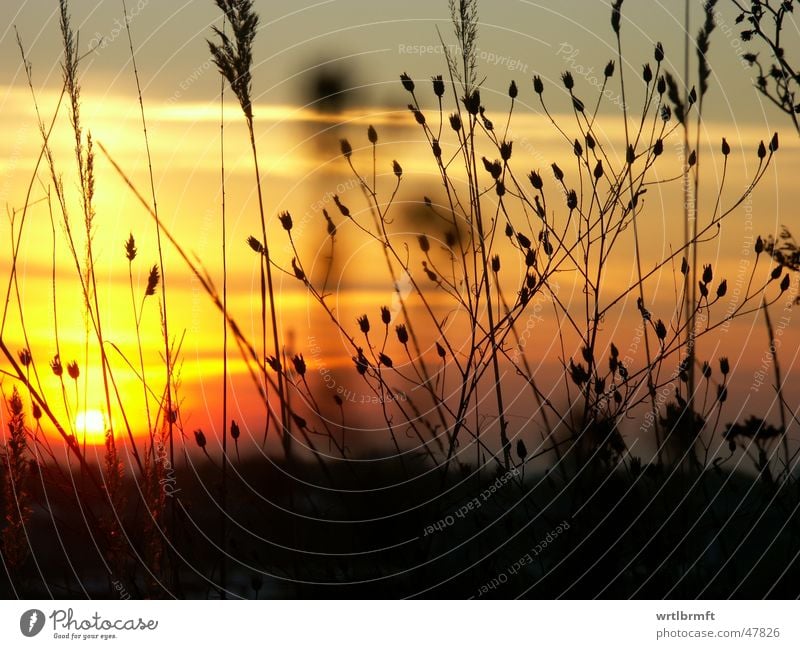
<point>90,425</point>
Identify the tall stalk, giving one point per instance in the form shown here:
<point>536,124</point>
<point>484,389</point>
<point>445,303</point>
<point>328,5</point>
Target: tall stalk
<point>167,406</point>
<point>224,526</point>
<point>234,58</point>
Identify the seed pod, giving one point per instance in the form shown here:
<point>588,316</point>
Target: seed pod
<point>598,170</point>
<point>437,149</point>
<point>200,438</point>
<point>386,316</point>
<point>234,430</point>
<point>438,85</point>
<point>473,102</point>
<point>530,258</point>
<point>724,365</point>
<point>496,264</point>
<point>286,221</point>
<point>706,370</point>
<point>424,244</point>
<point>661,86</point>
<point>578,373</point>
<point>557,172</point>
<point>536,180</point>
<point>590,141</point>
<point>599,386</point>
<point>647,73</point>
<point>362,364</point>
<point>522,452</point>
<point>776,272</point>
<point>661,330</point>
<point>417,114</point>
<point>455,122</point>
<point>726,149</point>
<point>363,324</point>
<point>658,147</point>
<point>538,86</point>
<point>298,272</point>
<point>523,240</point>
<point>572,199</point>
<point>762,150</point>
<point>440,350</point>
<point>659,53</point>
<point>431,275</point>
<point>299,364</point>
<point>73,370</point>
<point>785,282</point>
<point>773,143</point>
<point>402,334</point>
<point>342,208</point>
<point>398,170</point>
<point>512,90</point>
<point>383,359</point>
<point>722,289</point>
<point>347,150</point>
<point>577,149</point>
<point>56,366</point>
<point>708,273</point>
<point>759,246</point>
<point>255,244</point>
<point>567,80</point>
<point>609,70</point>
<point>330,225</point>
<point>372,134</point>
<point>505,150</point>
<point>692,158</point>
<point>408,84</point>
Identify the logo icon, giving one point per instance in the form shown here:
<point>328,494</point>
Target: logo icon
<point>31,622</point>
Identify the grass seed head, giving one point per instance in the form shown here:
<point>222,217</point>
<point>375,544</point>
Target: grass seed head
<point>152,281</point>
<point>130,248</point>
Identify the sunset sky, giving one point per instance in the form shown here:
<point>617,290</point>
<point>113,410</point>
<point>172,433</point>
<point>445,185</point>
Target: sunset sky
<point>367,45</point>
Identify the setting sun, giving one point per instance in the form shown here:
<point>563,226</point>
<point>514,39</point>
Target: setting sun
<point>91,425</point>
